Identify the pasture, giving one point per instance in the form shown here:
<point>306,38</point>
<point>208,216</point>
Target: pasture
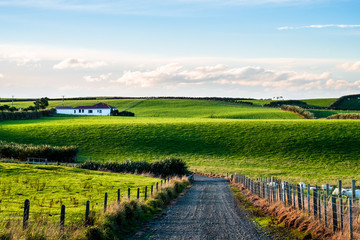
<point>48,187</point>
<point>314,150</point>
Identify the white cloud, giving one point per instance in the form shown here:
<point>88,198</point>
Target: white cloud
<point>78,63</point>
<point>342,84</point>
<point>171,75</point>
<point>320,26</point>
<point>150,78</point>
<point>348,66</point>
<point>1,75</point>
<point>21,58</point>
<point>100,78</point>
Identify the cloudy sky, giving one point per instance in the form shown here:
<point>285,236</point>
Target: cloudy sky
<point>227,48</point>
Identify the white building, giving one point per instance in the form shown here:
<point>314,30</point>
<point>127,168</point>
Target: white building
<point>100,109</point>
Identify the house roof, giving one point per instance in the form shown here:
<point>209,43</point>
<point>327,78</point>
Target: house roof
<point>63,107</point>
<point>97,106</point>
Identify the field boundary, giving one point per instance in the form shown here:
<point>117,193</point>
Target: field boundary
<point>328,212</point>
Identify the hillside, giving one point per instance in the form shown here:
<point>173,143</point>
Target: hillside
<point>182,108</point>
<point>287,147</point>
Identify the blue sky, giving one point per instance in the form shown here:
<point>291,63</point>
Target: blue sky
<point>235,48</point>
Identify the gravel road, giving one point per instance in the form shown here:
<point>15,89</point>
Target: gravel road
<point>207,211</point>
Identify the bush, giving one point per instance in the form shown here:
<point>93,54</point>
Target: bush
<point>25,115</point>
<point>52,153</point>
<point>298,110</point>
<point>164,168</point>
<point>345,116</point>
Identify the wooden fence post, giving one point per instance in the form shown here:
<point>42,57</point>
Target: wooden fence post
<point>26,214</point>
<point>129,193</point>
<point>105,202</point>
<point>87,212</point>
<point>152,190</point>
<point>145,196</point>
<point>325,210</point>
<point>62,218</point>
<point>294,195</point>
<point>333,200</point>
<point>341,206</point>
<point>319,206</point>
<point>351,218</point>
<point>353,191</point>
<point>303,198</point>
<point>157,187</point>
<point>138,193</point>
<point>118,196</point>
<point>299,196</point>
<point>308,198</point>
<point>315,202</point>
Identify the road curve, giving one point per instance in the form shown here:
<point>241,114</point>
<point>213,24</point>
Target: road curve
<point>207,211</point>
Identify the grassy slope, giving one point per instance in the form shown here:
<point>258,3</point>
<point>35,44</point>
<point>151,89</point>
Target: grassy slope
<point>309,149</point>
<point>48,187</point>
<point>318,102</point>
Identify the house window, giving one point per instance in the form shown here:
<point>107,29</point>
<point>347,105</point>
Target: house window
<point>74,111</point>
<point>99,111</point>
<point>89,111</point>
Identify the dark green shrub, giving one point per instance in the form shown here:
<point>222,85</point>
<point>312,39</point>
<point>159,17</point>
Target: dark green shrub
<point>52,153</point>
<point>163,168</point>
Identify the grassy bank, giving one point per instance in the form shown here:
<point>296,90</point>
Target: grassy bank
<point>48,187</point>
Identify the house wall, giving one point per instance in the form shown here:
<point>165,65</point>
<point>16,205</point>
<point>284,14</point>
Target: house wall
<point>65,111</point>
<point>95,112</point>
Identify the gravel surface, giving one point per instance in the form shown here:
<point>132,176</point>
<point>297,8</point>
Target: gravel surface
<point>207,211</point>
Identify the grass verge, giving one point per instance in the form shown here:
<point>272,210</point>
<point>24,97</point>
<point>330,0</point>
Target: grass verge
<point>116,223</point>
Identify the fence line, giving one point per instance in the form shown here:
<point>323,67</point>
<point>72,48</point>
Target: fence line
<point>142,194</point>
<point>335,209</point>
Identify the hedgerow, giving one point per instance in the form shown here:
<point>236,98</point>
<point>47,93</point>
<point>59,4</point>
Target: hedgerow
<point>52,153</point>
<point>25,115</point>
<point>163,168</point>
<point>345,116</point>
<point>298,110</point>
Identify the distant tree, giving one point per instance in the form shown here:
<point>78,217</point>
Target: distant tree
<point>41,103</point>
<point>2,108</point>
<point>31,108</point>
<point>6,107</point>
<point>13,109</point>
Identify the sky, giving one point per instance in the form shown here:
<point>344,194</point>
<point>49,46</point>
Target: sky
<point>296,49</point>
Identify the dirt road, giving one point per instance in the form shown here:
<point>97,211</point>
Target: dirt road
<point>207,211</point>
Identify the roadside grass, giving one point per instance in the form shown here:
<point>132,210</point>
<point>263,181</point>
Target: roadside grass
<point>269,223</point>
<point>48,187</point>
<point>317,151</point>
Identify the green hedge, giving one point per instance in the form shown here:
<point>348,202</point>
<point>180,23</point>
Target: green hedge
<point>52,153</point>
<point>298,110</point>
<point>163,168</point>
<point>345,116</point>
<point>25,115</point>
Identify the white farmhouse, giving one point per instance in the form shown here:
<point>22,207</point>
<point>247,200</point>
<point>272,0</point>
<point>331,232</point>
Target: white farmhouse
<point>99,109</point>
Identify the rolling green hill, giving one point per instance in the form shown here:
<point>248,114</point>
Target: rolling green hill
<point>305,149</point>
<point>179,108</point>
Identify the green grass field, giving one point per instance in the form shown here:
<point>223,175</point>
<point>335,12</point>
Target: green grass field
<point>315,150</point>
<point>48,187</point>
<point>177,108</point>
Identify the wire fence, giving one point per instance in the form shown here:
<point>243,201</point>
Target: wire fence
<point>77,214</point>
<point>333,206</point>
